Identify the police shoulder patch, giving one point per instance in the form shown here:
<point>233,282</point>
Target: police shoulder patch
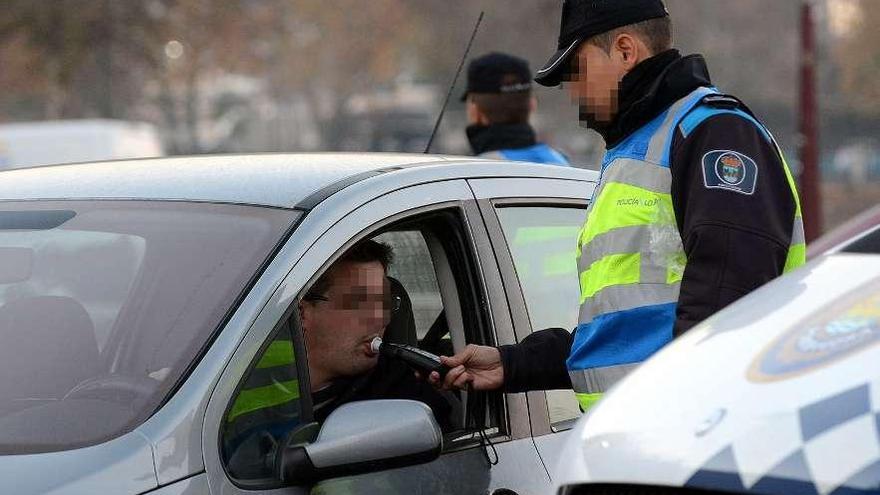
<point>730,170</point>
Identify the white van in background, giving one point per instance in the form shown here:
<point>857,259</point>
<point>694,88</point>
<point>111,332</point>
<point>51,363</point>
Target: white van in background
<point>29,144</point>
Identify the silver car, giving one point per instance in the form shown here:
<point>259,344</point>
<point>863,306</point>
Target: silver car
<point>140,300</point>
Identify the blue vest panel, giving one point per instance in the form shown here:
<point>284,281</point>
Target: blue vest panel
<point>624,337</point>
<point>539,153</point>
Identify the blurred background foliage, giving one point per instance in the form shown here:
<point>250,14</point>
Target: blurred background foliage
<point>307,75</point>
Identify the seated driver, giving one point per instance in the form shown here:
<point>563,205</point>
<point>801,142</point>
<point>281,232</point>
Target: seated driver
<point>348,306</point>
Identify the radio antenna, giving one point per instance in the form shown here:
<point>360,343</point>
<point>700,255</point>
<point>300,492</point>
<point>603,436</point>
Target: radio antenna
<point>452,86</point>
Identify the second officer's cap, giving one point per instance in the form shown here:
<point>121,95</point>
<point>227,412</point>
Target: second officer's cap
<point>583,19</point>
<point>498,73</point>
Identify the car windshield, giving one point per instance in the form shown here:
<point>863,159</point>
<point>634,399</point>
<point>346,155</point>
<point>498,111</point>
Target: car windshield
<point>105,304</point>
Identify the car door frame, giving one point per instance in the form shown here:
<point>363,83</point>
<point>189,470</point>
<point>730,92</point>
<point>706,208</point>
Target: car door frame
<point>364,216</point>
<point>492,193</point>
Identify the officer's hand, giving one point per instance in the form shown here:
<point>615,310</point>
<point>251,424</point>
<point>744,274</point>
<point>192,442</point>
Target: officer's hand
<point>477,365</point>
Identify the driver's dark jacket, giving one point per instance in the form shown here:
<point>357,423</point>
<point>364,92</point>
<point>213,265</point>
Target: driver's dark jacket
<point>390,379</point>
<point>249,439</point>
<point>733,246</point>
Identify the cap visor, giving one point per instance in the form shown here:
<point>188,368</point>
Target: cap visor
<point>551,74</point>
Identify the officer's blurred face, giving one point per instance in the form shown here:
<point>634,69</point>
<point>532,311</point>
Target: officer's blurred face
<point>338,331</point>
<point>594,75</point>
<point>475,115</point>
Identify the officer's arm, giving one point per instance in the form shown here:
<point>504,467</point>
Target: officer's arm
<point>538,362</point>
<point>736,227</point>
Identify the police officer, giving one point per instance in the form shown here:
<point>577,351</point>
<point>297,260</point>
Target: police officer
<point>499,103</point>
<point>695,207</point>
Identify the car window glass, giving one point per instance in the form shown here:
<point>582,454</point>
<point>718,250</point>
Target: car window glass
<point>51,263</point>
<point>105,304</point>
<point>868,243</point>
<point>543,244</point>
<point>265,409</point>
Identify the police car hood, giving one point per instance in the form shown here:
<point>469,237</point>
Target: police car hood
<point>779,393</point>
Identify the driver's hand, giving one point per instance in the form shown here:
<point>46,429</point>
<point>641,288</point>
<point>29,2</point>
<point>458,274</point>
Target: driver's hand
<point>477,365</point>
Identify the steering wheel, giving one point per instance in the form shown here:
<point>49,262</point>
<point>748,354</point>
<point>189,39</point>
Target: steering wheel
<point>116,388</point>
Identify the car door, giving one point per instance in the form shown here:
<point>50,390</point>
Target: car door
<point>454,286</point>
<point>533,225</point>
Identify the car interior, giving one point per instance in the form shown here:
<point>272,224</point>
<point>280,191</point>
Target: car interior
<point>435,269</point>
<point>433,275</point>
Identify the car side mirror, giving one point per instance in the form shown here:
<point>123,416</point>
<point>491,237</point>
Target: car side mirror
<point>362,437</point>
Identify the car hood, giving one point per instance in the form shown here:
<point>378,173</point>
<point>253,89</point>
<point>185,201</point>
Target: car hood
<point>123,465</point>
<point>781,387</point>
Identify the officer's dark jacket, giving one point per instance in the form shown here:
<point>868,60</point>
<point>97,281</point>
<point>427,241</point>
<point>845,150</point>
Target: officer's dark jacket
<point>734,242</point>
<point>390,379</point>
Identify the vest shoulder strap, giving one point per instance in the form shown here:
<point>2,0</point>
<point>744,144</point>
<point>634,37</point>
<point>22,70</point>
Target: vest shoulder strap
<point>720,104</point>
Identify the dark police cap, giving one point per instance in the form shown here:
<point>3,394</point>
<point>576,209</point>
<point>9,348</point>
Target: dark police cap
<point>498,73</point>
<point>583,19</point>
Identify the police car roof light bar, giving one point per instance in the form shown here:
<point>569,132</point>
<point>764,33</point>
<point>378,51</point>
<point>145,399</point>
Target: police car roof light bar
<point>452,86</point>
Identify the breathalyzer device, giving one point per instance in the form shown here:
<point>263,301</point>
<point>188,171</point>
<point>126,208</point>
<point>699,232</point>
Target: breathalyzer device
<point>422,361</point>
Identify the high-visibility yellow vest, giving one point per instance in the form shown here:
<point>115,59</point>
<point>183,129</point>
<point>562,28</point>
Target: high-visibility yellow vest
<point>631,258</point>
<point>273,383</point>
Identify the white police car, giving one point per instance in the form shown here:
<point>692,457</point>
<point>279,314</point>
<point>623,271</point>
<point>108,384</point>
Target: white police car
<point>778,394</point>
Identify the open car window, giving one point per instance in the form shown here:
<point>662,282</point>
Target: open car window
<point>433,282</point>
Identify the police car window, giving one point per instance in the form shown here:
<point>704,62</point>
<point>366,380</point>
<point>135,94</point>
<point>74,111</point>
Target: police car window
<point>265,410</point>
<point>543,244</point>
<point>868,243</point>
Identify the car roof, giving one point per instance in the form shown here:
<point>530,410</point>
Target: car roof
<point>269,179</point>
<point>755,389</point>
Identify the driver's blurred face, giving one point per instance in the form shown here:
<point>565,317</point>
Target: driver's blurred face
<point>338,331</point>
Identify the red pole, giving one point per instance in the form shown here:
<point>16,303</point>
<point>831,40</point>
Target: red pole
<point>811,198</point>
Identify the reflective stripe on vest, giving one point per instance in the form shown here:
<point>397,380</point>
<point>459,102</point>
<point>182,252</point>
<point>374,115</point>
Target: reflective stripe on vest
<point>797,253</point>
<point>631,259</point>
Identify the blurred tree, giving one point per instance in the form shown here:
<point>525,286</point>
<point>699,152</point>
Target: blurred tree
<point>331,54</point>
<point>751,45</point>
<point>188,45</point>
<point>100,58</point>
<point>857,52</point>
<point>182,63</point>
<point>57,36</point>
<point>23,86</point>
